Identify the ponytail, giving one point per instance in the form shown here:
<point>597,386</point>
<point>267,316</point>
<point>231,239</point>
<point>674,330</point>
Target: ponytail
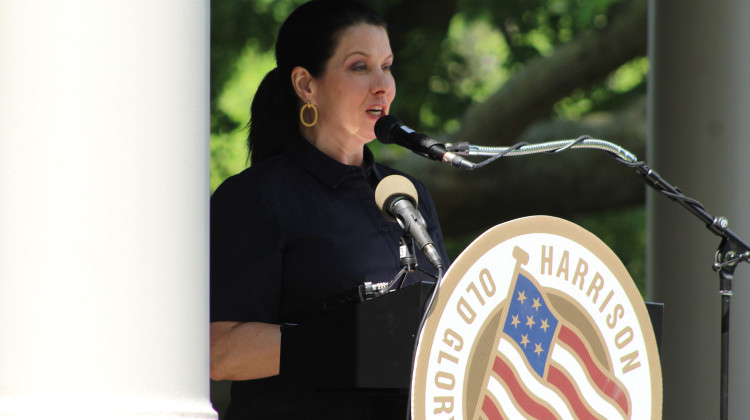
<point>272,122</point>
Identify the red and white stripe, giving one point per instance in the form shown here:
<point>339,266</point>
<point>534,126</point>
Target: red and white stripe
<point>517,391</point>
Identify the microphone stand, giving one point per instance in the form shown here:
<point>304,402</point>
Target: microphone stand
<point>731,251</point>
<point>407,261</point>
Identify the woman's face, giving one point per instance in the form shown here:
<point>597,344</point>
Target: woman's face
<point>357,86</point>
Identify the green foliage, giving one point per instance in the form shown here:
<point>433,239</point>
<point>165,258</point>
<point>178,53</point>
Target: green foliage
<point>473,58</point>
<point>609,94</point>
<point>228,146</point>
<point>234,25</point>
<point>624,232</point>
<point>534,27</point>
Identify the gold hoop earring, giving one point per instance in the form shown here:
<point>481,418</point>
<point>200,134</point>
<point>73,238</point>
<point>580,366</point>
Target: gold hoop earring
<point>302,114</point>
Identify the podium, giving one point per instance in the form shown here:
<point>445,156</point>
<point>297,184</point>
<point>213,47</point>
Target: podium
<point>532,307</point>
<point>366,346</point>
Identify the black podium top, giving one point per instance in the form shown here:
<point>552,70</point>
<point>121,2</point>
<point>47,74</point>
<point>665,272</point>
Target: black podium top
<point>368,345</point>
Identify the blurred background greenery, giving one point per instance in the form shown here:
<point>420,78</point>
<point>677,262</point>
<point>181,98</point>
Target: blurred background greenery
<point>491,73</point>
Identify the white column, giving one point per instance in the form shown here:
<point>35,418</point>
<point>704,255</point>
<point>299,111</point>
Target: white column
<point>699,140</point>
<point>104,209</point>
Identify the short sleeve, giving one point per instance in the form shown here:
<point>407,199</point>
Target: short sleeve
<point>246,253</point>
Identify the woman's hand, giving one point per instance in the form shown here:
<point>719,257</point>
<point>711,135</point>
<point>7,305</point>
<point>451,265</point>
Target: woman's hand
<point>244,350</point>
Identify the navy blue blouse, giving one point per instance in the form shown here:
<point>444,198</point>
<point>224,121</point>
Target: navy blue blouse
<point>299,228</point>
<point>288,234</point>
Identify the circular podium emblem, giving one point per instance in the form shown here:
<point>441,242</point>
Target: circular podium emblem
<point>537,318</point>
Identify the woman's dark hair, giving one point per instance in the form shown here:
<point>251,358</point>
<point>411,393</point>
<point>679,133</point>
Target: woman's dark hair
<point>308,38</point>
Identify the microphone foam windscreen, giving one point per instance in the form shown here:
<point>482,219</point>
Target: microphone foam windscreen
<point>394,185</point>
<point>383,127</point>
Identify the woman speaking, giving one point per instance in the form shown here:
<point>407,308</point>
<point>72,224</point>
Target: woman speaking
<point>301,224</point>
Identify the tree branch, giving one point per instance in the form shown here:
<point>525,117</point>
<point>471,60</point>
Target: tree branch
<point>532,92</point>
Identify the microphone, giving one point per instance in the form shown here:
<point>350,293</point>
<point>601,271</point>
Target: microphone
<point>396,197</point>
<point>389,129</point>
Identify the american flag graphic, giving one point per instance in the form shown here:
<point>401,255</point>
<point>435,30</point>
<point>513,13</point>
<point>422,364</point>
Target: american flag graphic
<point>542,369</point>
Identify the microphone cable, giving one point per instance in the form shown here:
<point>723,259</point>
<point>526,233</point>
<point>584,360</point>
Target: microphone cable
<point>427,310</point>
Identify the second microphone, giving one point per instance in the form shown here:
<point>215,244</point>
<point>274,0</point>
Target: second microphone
<point>396,197</point>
